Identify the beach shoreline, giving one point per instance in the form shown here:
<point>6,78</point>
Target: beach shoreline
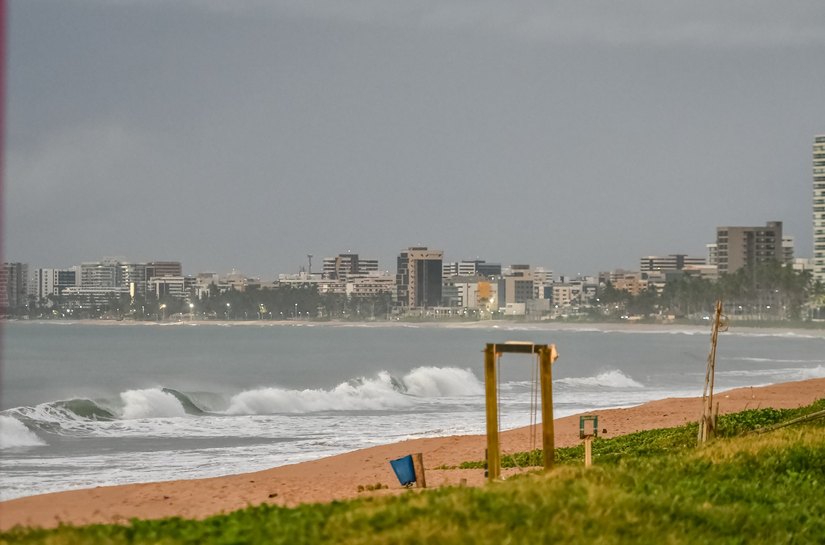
<point>740,328</point>
<point>340,477</point>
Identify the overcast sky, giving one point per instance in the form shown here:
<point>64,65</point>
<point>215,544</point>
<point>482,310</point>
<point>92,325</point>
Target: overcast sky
<point>248,133</point>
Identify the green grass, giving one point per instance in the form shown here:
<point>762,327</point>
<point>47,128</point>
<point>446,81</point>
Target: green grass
<point>652,487</point>
<point>655,442</point>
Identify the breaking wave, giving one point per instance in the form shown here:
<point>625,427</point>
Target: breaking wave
<point>14,433</point>
<point>380,393</point>
<point>607,379</point>
<point>150,403</point>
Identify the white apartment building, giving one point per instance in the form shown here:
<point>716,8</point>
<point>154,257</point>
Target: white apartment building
<point>819,207</point>
<point>564,295</point>
<point>370,285</point>
<point>176,287</point>
<point>470,267</point>
<point>713,254</point>
<point>46,282</point>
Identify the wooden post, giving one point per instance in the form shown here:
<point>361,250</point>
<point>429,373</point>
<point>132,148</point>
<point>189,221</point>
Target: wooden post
<point>707,422</point>
<point>548,439</point>
<point>418,466</point>
<point>490,392</point>
<point>588,457</point>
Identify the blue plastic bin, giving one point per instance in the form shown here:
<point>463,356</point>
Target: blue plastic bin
<point>404,470</point>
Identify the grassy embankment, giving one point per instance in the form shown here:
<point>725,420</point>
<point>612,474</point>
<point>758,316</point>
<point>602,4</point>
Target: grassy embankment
<point>648,487</point>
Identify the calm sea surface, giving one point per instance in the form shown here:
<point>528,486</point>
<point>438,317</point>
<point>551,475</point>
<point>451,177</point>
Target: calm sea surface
<point>92,404</point>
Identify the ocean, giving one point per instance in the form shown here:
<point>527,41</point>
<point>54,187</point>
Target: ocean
<point>85,405</point>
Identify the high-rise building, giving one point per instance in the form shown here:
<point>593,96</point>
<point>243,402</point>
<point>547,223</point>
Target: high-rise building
<point>518,285</point>
<point>819,207</point>
<point>13,285</point>
<point>418,281</point>
<point>342,266</point>
<point>100,274</point>
<point>133,276</point>
<point>739,247</point>
<point>46,282</point>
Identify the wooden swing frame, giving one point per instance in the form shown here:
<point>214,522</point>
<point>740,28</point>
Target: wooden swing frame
<point>546,355</point>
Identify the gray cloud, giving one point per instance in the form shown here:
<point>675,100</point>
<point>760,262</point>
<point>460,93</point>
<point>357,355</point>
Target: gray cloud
<point>247,134</point>
<point>666,23</point>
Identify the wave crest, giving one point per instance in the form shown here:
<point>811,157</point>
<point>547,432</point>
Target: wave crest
<point>365,394</point>
<point>441,382</point>
<point>606,379</point>
<point>150,403</point>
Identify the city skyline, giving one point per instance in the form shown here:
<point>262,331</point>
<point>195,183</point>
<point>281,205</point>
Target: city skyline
<point>326,264</point>
<point>250,135</point>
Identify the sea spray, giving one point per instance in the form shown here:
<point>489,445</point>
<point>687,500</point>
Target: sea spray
<point>14,433</point>
<point>150,403</point>
<point>606,379</point>
<point>442,382</point>
<point>382,392</point>
<point>366,394</point>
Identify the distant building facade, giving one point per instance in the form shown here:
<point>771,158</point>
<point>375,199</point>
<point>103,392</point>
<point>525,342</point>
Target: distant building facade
<point>100,274</point>
<point>372,284</point>
<point>99,281</point>
<point>475,267</point>
<point>418,278</point>
<point>175,287</point>
<point>518,284</point>
<point>13,285</point>
<point>343,266</point>
<point>788,249</point>
<point>672,262</point>
<point>739,247</point>
<point>46,282</point>
<point>713,254</point>
<point>819,207</point>
<point>157,269</point>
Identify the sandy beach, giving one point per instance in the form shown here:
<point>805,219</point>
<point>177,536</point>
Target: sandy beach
<point>339,477</point>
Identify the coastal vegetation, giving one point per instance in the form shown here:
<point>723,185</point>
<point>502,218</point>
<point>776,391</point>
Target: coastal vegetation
<point>649,487</point>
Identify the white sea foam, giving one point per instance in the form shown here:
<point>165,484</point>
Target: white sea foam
<point>14,433</point>
<point>778,375</point>
<point>55,417</point>
<point>366,394</point>
<point>815,372</point>
<point>770,360</point>
<point>442,382</point>
<point>150,403</point>
<point>606,379</point>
